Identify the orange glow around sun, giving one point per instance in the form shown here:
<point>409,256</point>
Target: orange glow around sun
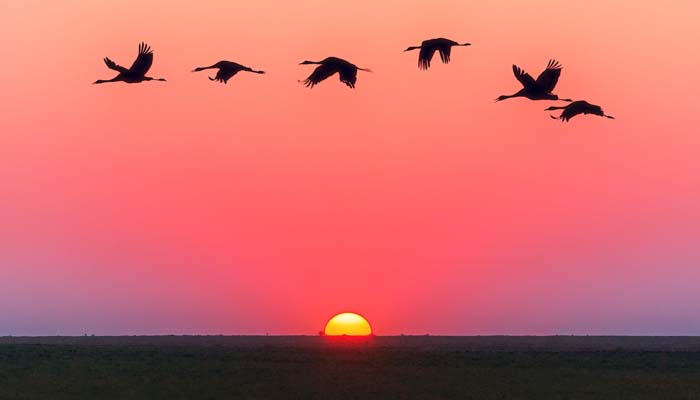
<point>348,324</point>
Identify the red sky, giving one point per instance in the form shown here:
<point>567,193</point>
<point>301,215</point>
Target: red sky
<point>264,207</point>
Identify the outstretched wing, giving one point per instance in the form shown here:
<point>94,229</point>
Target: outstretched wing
<point>592,109</point>
<point>143,61</point>
<point>445,51</point>
<point>225,74</point>
<point>525,79</point>
<point>425,55</point>
<point>550,76</point>
<point>348,76</point>
<point>570,112</point>
<point>579,107</point>
<point>112,65</point>
<point>321,73</point>
<point>588,108</point>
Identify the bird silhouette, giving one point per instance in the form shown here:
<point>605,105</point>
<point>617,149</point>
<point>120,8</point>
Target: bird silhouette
<point>138,70</point>
<point>430,46</point>
<point>540,89</point>
<point>227,69</point>
<point>329,66</point>
<point>578,107</point>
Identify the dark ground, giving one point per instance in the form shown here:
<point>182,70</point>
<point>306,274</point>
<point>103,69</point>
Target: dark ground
<point>411,367</point>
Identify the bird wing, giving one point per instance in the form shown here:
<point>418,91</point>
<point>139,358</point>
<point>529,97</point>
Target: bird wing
<point>348,76</point>
<point>225,74</point>
<point>589,108</point>
<point>445,51</point>
<point>321,73</point>
<point>112,65</point>
<point>592,108</point>
<point>525,79</point>
<point>550,76</point>
<point>425,55</point>
<point>570,112</point>
<point>143,61</point>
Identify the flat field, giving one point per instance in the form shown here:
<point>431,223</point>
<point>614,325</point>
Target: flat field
<point>307,367</point>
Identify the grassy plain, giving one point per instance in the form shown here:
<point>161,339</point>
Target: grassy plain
<point>305,367</point>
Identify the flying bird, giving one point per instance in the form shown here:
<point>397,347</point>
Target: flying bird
<point>429,47</point>
<point>227,69</point>
<point>329,66</point>
<point>578,107</point>
<point>540,89</point>
<point>138,70</point>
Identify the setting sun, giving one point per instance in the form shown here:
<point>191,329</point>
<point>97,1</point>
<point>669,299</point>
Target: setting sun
<point>348,324</point>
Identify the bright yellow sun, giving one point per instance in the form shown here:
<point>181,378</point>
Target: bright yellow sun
<point>348,324</point>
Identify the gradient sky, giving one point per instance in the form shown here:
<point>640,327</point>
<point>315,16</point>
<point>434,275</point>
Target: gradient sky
<point>264,207</point>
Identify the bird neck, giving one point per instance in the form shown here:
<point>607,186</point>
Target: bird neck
<point>507,96</point>
<point>115,79</point>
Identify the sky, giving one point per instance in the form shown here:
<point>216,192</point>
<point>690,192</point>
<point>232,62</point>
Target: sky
<point>264,207</point>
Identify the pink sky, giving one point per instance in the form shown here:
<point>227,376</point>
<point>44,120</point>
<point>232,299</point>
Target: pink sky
<point>264,207</point>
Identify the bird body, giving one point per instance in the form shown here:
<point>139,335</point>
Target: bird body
<point>137,72</point>
<point>346,70</point>
<point>540,89</point>
<point>578,107</point>
<point>430,46</point>
<point>226,70</point>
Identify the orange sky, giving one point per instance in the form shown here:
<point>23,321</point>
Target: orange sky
<point>262,206</point>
